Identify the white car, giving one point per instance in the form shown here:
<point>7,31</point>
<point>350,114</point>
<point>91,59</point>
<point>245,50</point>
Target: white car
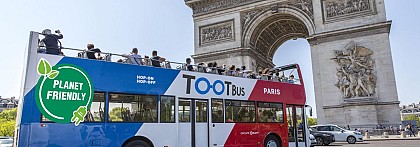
<point>313,140</point>
<point>340,134</point>
<point>6,142</point>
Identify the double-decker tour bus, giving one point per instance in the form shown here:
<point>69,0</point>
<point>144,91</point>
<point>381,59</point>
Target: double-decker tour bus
<point>74,101</point>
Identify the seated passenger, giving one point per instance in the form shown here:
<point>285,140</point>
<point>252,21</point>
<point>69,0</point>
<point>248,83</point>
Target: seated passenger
<point>275,76</point>
<point>222,70</point>
<point>291,79</point>
<point>91,52</point>
<point>135,58</point>
<point>259,75</point>
<point>188,65</point>
<point>147,61</point>
<point>209,67</point>
<point>51,41</point>
<point>264,75</point>
<point>214,68</point>
<point>201,67</point>
<point>231,71</point>
<point>237,72</point>
<point>156,60</point>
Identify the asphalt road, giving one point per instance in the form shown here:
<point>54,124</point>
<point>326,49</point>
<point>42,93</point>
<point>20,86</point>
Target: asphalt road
<point>382,143</point>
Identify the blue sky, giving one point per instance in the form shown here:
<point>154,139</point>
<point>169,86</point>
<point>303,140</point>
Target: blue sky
<point>167,26</point>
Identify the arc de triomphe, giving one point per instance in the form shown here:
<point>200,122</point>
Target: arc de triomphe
<point>351,56</point>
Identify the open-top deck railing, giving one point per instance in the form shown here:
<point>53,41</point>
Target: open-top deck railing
<point>286,71</point>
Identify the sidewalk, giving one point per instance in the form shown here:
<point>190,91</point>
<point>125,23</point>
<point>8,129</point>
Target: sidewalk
<point>390,137</point>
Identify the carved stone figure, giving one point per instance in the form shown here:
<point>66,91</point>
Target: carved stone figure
<point>217,32</point>
<point>355,77</point>
<point>343,7</point>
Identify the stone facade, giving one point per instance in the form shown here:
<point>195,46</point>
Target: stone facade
<point>254,29</point>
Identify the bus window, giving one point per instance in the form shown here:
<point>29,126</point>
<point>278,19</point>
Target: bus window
<point>270,112</point>
<point>184,110</point>
<point>239,111</point>
<point>132,108</point>
<point>217,110</point>
<point>301,123</point>
<point>290,124</point>
<point>96,111</point>
<point>201,111</point>
<point>167,109</point>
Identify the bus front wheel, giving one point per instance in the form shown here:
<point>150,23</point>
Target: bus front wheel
<point>271,141</point>
<point>137,143</point>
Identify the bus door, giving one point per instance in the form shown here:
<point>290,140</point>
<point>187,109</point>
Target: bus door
<point>193,123</point>
<point>296,126</point>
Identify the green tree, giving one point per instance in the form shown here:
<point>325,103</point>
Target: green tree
<point>413,117</point>
<point>7,122</point>
<point>7,128</point>
<point>9,115</point>
<point>312,121</point>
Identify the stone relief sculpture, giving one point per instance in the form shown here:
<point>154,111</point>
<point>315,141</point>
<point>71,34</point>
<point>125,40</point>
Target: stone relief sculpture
<point>306,5</point>
<point>218,5</point>
<point>217,32</point>
<point>343,7</point>
<point>355,76</point>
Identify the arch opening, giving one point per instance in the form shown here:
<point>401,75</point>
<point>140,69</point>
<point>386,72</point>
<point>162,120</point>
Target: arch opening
<point>270,32</point>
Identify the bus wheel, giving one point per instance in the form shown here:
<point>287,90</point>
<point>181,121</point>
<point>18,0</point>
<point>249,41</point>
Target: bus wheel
<point>271,141</point>
<point>137,143</point>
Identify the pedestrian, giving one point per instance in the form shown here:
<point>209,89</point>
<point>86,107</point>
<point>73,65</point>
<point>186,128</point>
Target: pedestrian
<point>408,129</point>
<point>400,129</point>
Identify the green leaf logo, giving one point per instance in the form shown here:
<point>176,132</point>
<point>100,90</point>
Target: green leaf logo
<point>53,74</point>
<point>44,68</point>
<point>64,92</point>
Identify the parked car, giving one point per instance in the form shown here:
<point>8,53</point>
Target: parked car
<point>313,141</point>
<point>340,134</point>
<point>322,138</point>
<point>6,142</point>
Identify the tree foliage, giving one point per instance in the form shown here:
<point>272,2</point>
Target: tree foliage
<point>7,122</point>
<point>312,121</point>
<point>413,117</point>
<point>8,115</point>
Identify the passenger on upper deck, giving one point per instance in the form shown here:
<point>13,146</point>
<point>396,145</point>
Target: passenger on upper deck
<point>188,65</point>
<point>291,79</point>
<point>231,71</point>
<point>156,60</point>
<point>135,58</point>
<point>221,70</point>
<point>51,41</point>
<point>91,52</point>
<point>264,74</point>
<point>147,61</point>
<point>209,67</point>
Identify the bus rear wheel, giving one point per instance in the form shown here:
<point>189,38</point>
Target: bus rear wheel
<point>137,143</point>
<point>271,141</point>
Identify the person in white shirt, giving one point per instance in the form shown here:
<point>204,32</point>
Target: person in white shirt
<point>135,58</point>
